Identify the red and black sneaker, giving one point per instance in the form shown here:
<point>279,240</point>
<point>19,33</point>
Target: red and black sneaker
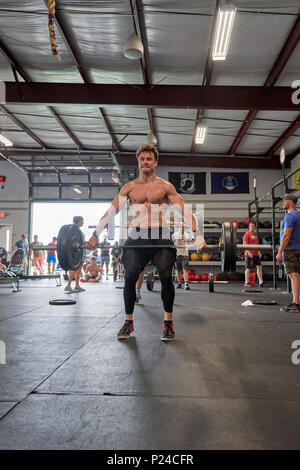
<point>168,333</point>
<point>126,329</point>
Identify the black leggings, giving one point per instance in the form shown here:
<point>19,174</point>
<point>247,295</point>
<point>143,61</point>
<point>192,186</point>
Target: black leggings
<point>135,259</point>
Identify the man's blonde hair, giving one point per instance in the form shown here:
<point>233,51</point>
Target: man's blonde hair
<point>147,148</point>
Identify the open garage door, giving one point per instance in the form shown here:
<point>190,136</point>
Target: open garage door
<point>47,218</point>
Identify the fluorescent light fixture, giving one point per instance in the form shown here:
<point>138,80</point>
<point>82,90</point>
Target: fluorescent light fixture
<point>75,168</point>
<point>223,31</point>
<point>77,190</point>
<point>5,141</point>
<point>200,134</point>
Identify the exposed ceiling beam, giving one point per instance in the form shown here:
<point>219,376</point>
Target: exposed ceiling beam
<point>281,61</point>
<point>166,96</point>
<point>15,65</point>
<point>283,138</point>
<point>140,29</point>
<point>205,161</point>
<point>52,152</point>
<point>65,127</point>
<point>56,151</point>
<point>17,68</point>
<point>83,73</point>
<point>109,129</point>
<point>69,43</point>
<point>20,124</point>
<point>207,73</point>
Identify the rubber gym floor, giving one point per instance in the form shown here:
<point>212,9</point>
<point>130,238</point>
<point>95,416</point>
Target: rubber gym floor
<point>226,382</point>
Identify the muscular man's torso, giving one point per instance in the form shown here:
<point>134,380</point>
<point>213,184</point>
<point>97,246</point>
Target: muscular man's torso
<point>93,269</point>
<point>149,201</point>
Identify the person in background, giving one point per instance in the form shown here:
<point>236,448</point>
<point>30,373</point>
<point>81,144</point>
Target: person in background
<point>38,254</point>
<point>289,249</point>
<point>79,221</point>
<point>23,245</point>
<point>51,256</point>
<point>105,255</point>
<point>92,271</point>
<point>252,257</point>
<point>116,255</point>
<point>3,256</point>
<point>181,238</point>
<point>96,255</point>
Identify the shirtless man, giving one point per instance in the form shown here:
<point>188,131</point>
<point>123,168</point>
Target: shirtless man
<point>151,195</point>
<point>92,271</point>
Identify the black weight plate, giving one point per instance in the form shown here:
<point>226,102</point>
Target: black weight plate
<point>264,302</point>
<point>233,248</point>
<point>211,283</point>
<point>226,252</point>
<point>62,302</point>
<point>150,281</point>
<point>68,252</point>
<point>61,247</point>
<point>74,245</point>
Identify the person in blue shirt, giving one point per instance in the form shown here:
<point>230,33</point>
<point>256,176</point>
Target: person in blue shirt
<point>22,243</point>
<point>289,249</point>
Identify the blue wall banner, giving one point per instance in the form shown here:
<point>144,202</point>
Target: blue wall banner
<point>229,183</point>
<point>188,183</point>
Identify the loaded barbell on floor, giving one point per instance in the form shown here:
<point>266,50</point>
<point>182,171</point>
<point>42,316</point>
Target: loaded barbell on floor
<point>70,247</point>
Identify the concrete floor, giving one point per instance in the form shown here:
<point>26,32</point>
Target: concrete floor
<point>227,382</point>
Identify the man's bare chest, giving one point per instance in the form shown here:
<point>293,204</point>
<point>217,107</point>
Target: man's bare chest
<point>153,194</point>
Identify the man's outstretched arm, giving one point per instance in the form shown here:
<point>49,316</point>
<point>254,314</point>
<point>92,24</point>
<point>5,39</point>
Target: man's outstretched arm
<point>117,204</point>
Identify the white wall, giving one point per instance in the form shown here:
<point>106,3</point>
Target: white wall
<point>14,199</point>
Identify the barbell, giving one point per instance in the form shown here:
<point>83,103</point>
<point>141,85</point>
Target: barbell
<point>70,247</point>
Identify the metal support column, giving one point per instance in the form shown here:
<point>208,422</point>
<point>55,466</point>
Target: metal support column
<point>273,203</point>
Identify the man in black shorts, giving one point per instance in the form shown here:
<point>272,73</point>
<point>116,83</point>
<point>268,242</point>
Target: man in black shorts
<point>289,249</point>
<point>150,196</point>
